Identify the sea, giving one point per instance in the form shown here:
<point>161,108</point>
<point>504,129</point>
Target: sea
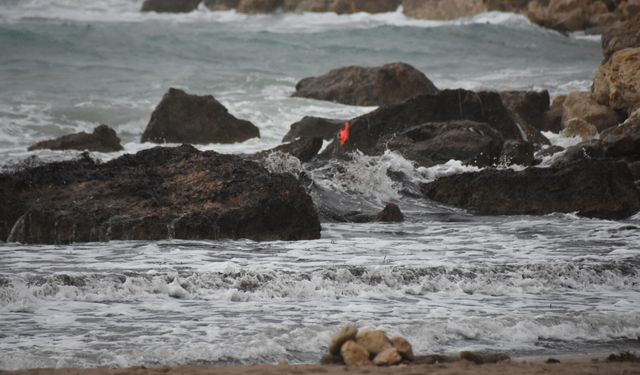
<point>445,279</point>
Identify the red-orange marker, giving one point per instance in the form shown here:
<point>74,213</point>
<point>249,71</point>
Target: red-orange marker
<point>344,133</point>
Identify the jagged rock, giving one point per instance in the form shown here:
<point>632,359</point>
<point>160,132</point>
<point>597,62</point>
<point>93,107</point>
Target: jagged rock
<point>304,149</point>
<point>403,347</point>
<point>581,105</point>
<point>372,132</point>
<point>617,83</point>
<point>623,141</point>
<point>436,143</point>
<point>103,139</point>
<point>569,15</point>
<point>621,35</point>
<point>341,6</point>
<point>390,214</point>
<point>552,120</point>
<point>577,127</point>
<point>170,6</point>
<point>258,6</point>
<point>373,341</point>
<point>592,188</point>
<point>184,118</point>
<point>343,335</point>
<point>482,358</point>
<point>517,152</point>
<point>354,355</point>
<point>355,85</point>
<point>314,127</point>
<point>442,9</point>
<point>221,4</point>
<point>528,109</point>
<point>155,194</point>
<point>388,357</point>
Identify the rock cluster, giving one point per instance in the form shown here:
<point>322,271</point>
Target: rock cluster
<point>365,348</point>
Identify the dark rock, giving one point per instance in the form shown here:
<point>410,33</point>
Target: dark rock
<point>221,4</point>
<point>592,188</point>
<point>170,6</point>
<point>304,149</point>
<point>434,359</point>
<point>552,361</point>
<point>528,109</point>
<point>371,132</point>
<point>330,359</point>
<point>390,213</point>
<point>258,6</point>
<point>341,6</point>
<point>634,167</point>
<point>621,35</point>
<point>184,118</point>
<point>517,152</point>
<point>438,142</point>
<point>512,6</point>
<point>103,139</point>
<point>551,150</point>
<point>155,194</point>
<point>588,150</point>
<point>355,85</point>
<point>623,141</point>
<point>623,357</point>
<point>314,127</point>
<point>552,119</point>
<point>483,358</point>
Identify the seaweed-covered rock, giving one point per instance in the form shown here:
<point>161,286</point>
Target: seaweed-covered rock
<point>184,118</point>
<point>155,194</point>
<point>103,139</point>
<point>356,85</point>
<point>592,188</point>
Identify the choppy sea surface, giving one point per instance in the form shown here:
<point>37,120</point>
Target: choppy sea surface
<point>445,279</point>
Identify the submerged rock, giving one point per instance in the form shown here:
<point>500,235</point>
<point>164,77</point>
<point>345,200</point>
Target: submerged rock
<point>184,118</point>
<point>170,6</point>
<point>617,83</point>
<point>103,139</point>
<point>442,9</point>
<point>155,194</point>
<point>314,127</point>
<point>355,85</point>
<point>592,188</point>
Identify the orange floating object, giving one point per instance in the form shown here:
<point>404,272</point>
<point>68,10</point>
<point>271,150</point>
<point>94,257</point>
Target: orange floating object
<point>344,133</point>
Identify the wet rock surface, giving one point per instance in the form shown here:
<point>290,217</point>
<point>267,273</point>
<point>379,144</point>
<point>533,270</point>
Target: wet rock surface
<point>170,6</point>
<point>304,149</point>
<point>592,188</point>
<point>528,109</point>
<point>365,86</point>
<point>102,139</point>
<point>155,194</point>
<point>314,127</point>
<point>184,118</point>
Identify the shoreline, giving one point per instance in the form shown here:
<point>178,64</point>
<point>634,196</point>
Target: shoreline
<point>567,365</point>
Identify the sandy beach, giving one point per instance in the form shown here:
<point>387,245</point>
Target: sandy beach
<point>585,365</point>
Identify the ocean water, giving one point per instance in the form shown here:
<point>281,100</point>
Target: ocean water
<point>445,279</point>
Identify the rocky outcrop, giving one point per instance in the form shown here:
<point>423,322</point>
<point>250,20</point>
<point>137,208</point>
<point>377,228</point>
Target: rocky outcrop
<point>304,149</point>
<point>592,188</point>
<point>314,127</point>
<point>155,194</point>
<point>528,109</point>
<point>103,139</point>
<point>582,106</point>
<point>170,6</point>
<point>184,118</point>
<point>341,6</point>
<point>570,15</point>
<point>621,35</point>
<point>617,83</point>
<point>355,85</point>
<point>438,142</point>
<point>372,132</point>
<point>442,9</point>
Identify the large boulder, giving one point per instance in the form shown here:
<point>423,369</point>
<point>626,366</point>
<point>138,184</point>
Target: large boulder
<point>155,194</point>
<point>528,109</point>
<point>581,105</point>
<point>438,142</point>
<point>621,35</point>
<point>617,83</point>
<point>314,127</point>
<point>184,118</point>
<point>442,9</point>
<point>370,133</point>
<point>592,188</point>
<point>341,6</point>
<point>355,85</point>
<point>103,139</point>
<point>570,15</point>
<point>170,6</point>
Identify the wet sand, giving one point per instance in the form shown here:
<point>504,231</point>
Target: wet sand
<point>514,367</point>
